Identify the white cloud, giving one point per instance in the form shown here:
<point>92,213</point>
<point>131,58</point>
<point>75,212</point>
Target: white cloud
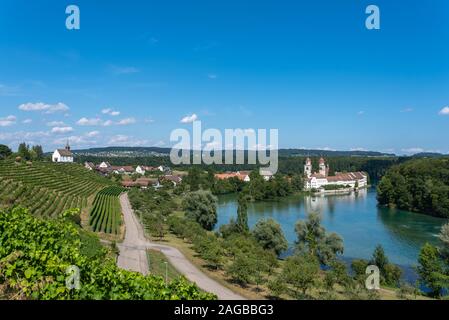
<point>55,124</point>
<point>92,134</point>
<point>444,111</point>
<point>89,122</point>
<point>358,149</point>
<point>99,122</point>
<point>61,130</point>
<point>27,121</point>
<point>126,121</point>
<point>8,121</point>
<point>43,107</point>
<point>189,119</point>
<point>110,112</point>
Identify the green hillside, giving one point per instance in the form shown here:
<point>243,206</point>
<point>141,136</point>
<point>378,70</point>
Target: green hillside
<point>48,189</point>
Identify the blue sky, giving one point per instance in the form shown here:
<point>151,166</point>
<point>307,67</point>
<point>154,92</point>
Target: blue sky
<point>308,68</point>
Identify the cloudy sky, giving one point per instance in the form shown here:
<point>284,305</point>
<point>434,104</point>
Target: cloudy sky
<point>137,70</point>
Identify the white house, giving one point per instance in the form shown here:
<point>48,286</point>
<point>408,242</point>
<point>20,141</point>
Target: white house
<point>266,174</point>
<point>63,155</point>
<point>104,165</point>
<point>140,170</point>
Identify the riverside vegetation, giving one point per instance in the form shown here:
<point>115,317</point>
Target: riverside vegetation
<point>248,259</point>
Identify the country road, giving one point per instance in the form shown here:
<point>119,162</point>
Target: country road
<point>132,255</point>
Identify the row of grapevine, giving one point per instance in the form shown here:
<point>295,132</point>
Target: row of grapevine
<point>106,212</point>
<point>48,188</point>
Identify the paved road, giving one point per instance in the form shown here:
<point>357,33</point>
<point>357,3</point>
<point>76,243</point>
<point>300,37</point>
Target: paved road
<point>132,256</point>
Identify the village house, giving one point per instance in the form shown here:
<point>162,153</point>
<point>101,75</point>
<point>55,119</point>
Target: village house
<point>320,179</point>
<point>142,183</point>
<point>173,178</point>
<point>266,174</point>
<point>89,165</point>
<point>122,169</point>
<point>242,175</point>
<point>63,155</point>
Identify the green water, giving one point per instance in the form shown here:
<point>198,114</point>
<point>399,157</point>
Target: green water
<point>355,217</point>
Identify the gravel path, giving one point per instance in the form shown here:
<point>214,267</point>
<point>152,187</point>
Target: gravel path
<point>133,257</point>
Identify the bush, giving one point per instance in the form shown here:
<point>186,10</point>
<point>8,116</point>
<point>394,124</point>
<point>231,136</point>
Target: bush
<point>35,255</point>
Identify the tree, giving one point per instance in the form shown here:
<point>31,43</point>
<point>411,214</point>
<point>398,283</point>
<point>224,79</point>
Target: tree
<point>444,237</point>
<point>269,235</point>
<point>336,275</point>
<point>242,214</point>
<point>193,179</point>
<point>5,151</point>
<point>379,258</point>
<point>241,270</point>
<point>390,273</point>
<point>37,152</point>
<point>313,239</point>
<point>431,269</point>
<point>301,273</point>
<point>297,182</point>
<point>201,206</point>
<point>155,225</point>
<point>24,151</point>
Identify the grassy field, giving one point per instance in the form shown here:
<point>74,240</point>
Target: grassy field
<point>159,265</point>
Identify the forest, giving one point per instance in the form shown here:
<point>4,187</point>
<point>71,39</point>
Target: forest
<point>419,185</point>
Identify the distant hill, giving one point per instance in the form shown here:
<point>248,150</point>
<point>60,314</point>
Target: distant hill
<point>156,151</point>
<point>428,155</point>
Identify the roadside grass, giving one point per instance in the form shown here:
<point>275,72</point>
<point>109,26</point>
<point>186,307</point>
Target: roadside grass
<point>157,263</point>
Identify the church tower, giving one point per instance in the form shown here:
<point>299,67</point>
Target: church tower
<point>308,168</point>
<point>322,167</point>
<point>67,146</point>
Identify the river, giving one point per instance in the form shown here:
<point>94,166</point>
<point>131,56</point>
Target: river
<point>355,217</point>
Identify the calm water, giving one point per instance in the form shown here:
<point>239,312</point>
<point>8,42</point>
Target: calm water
<point>355,217</point>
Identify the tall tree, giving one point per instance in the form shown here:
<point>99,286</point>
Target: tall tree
<point>242,213</point>
<point>37,151</point>
<point>313,239</point>
<point>201,206</point>
<point>269,235</point>
<point>431,269</point>
<point>24,151</point>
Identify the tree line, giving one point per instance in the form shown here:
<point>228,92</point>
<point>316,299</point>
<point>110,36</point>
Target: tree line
<point>420,185</point>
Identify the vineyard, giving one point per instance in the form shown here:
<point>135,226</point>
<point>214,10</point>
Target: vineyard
<point>105,215</point>
<point>47,189</point>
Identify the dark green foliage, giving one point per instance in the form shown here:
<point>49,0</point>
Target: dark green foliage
<point>420,185</point>
<point>242,214</point>
<point>313,239</point>
<point>269,235</point>
<point>201,206</point>
<point>106,213</point>
<point>432,270</point>
<point>5,151</point>
<point>300,273</point>
<point>36,253</point>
